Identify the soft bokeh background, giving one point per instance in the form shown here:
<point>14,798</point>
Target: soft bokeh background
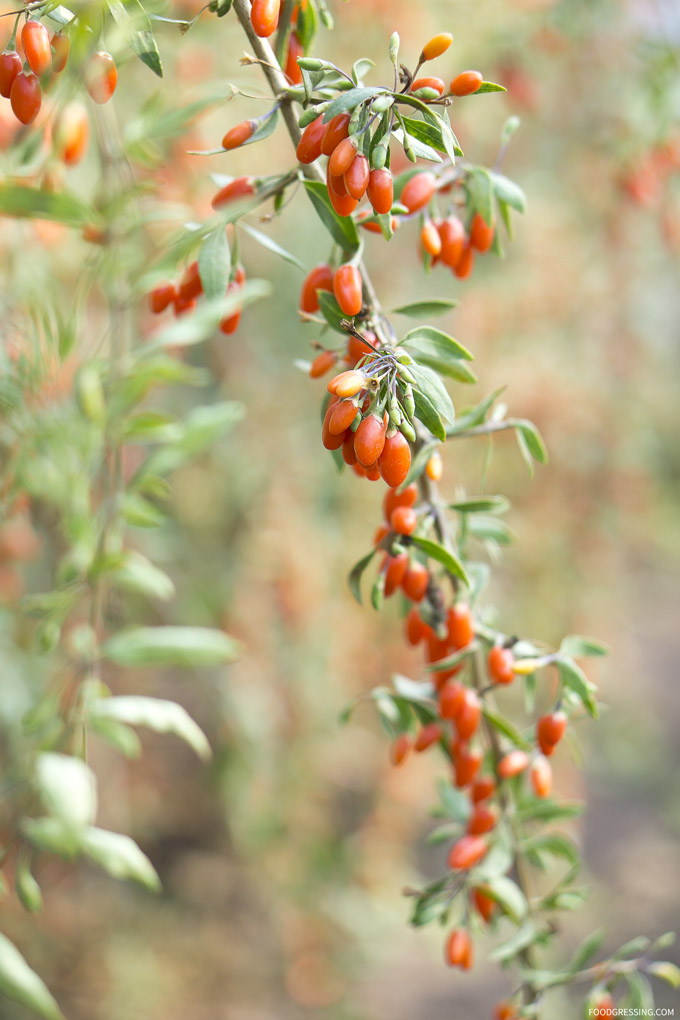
<point>283,863</point>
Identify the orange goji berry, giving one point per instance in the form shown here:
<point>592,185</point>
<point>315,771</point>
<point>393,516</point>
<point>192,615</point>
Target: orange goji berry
<point>400,749</point>
<point>161,297</point>
<point>481,233</point>
<point>452,235</point>
<point>393,499</point>
<point>319,278</point>
<point>26,97</point>
<point>61,45</point>
<point>395,460</point>
<point>264,17</point>
<point>435,46</point>
<point>292,69</point>
<point>499,663</point>
<point>418,191</point>
<point>10,67</point>
<point>434,468</point>
<point>466,852</point>
<point>101,76</point>
<point>348,292</point>
<point>541,777</point>
<point>550,730</point>
<point>239,134</point>
<point>342,157</point>
<point>483,819</point>
<point>71,133</point>
<point>241,187</point>
<point>190,285</point>
<point>322,363</point>
<point>342,417</point>
<point>460,626</point>
<point>369,440</point>
<point>356,177</point>
<point>395,567</point>
<point>35,40</point>
<point>428,736</point>
<point>344,205</point>
<point>430,238</point>
<point>451,700</point>
<point>484,905</point>
<point>416,581</point>
<point>458,950</point>
<point>469,715</point>
<point>466,766</point>
<point>482,788</point>
<point>380,190</point>
<point>465,83</point>
<point>512,764</point>
<point>428,83</point>
<point>404,520</point>
<point>415,627</point>
<point>336,130</point>
<point>309,147</point>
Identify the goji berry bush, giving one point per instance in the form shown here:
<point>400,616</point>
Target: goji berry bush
<point>100,414</point>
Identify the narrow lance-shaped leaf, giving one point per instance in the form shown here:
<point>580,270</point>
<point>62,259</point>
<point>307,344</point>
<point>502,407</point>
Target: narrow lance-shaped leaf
<point>181,646</point>
<point>156,714</point>
<point>19,983</point>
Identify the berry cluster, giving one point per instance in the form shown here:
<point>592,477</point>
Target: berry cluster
<point>183,296</point>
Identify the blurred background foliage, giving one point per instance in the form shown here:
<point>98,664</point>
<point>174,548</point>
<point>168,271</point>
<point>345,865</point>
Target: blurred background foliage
<point>283,862</point>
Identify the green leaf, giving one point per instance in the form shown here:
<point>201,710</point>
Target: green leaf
<point>573,677</point>
<point>155,714</point>
<point>341,228</point>
<point>378,591</point>
<point>53,836</point>
<point>360,68</point>
<point>488,86</point>
<point>505,726</point>
<point>452,369</point>
<point>666,971</point>
<point>508,192</point>
<point>351,99</point>
<point>489,529</point>
<point>120,857</point>
<point>139,512</point>
<point>541,810</point>
<point>21,984</point>
<point>577,645</point>
<point>634,947</point>
<point>151,427</point>
<point>476,415</point>
<point>135,573</point>
<point>214,263</point>
<point>433,550</point>
<point>118,736</point>
<point>532,439</point>
<point>427,414</point>
<point>412,690</point>
<point>331,310</point>
<point>454,803</point>
<point>481,504</point>
<point>200,429</point>
<point>68,789</point>
<point>272,246</point>
<point>425,309</point>
<point>641,997</point>
<point>431,386</point>
<point>173,646</point>
<point>554,844</point>
<point>508,895</point>
<point>30,203</point>
<point>418,148</point>
<point>356,573</point>
<point>586,950</point>
<point>263,130</point>
<point>26,887</point>
<point>522,939</point>
<point>434,342</point>
<point>135,21</point>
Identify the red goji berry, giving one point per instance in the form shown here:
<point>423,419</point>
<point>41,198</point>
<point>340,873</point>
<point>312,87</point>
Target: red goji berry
<point>348,293</point>
<point>319,278</point>
<point>465,83</point>
<point>264,17</point>
<point>380,190</point>
<point>26,97</point>
<point>10,67</point>
<point>35,40</point>
<point>309,147</point>
<point>101,76</point>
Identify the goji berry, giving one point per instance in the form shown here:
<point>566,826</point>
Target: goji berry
<point>466,766</point>
<point>395,567</point>
<point>356,177</point>
<point>452,236</point>
<point>484,905</point>
<point>404,520</point>
<point>348,292</point>
<point>336,129</point>
<point>512,764</point>
<point>550,730</point>
<point>428,736</point>
<point>369,440</point>
<point>380,190</point>
<point>460,625</point>
<point>465,263</point>
<point>71,133</point>
<point>466,852</point>
<point>458,950</point>
<point>239,134</point>
<point>451,700</point>
<point>161,297</point>
<point>430,238</point>
<point>264,17</point>
<point>416,581</point>
<point>434,468</point>
<point>481,233</point>
<point>322,363</point>
<point>435,46</point>
<point>10,67</point>
<point>483,787</point>
<point>416,630</point>
<point>190,285</point>
<point>61,46</point>
<point>465,83</point>
<point>342,417</point>
<point>292,69</point>
<point>319,278</point>
<point>35,40</point>
<point>101,76</point>
<point>26,97</point>
<point>467,719</point>
<point>482,819</point>
<point>395,460</point>
<point>347,384</point>
<point>500,664</point>
<point>342,157</point>
<point>428,83</point>
<point>241,187</point>
<point>400,749</point>
<point>418,191</point>
<point>393,499</point>
<point>541,776</point>
<point>309,147</point>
